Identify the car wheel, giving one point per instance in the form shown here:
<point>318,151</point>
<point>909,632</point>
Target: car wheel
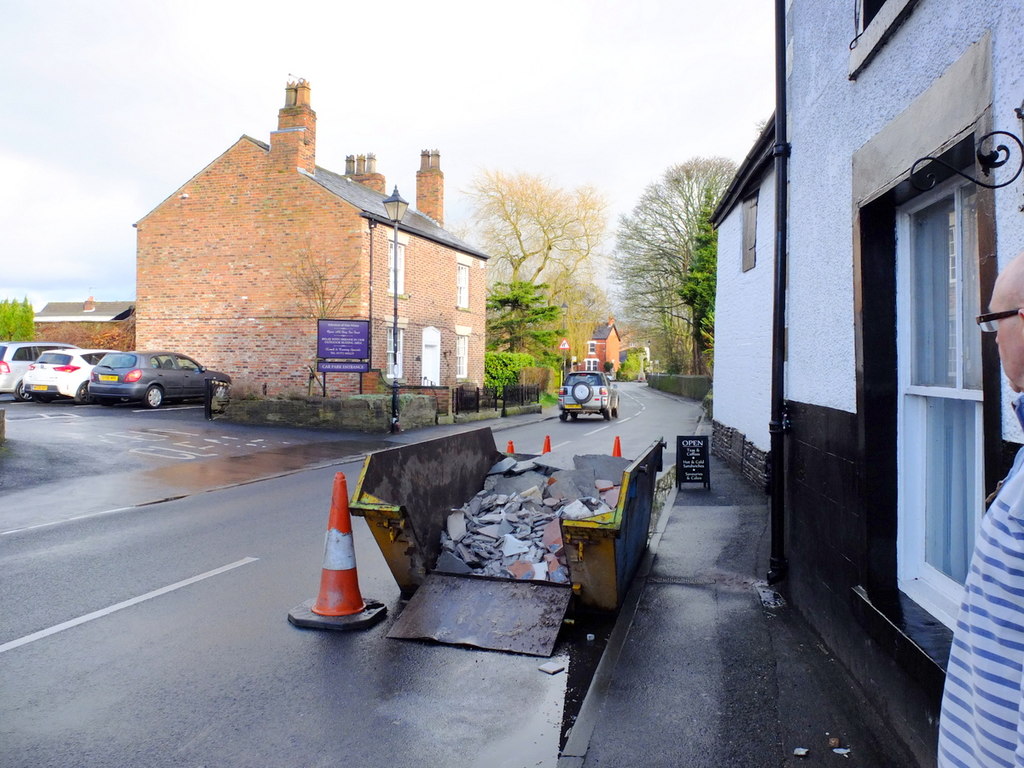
<point>607,414</point>
<point>154,397</point>
<point>615,412</point>
<point>573,416</point>
<point>82,395</point>
<point>20,393</point>
<point>563,416</point>
<point>43,398</point>
<point>581,392</point>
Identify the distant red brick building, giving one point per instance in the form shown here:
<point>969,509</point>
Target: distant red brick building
<point>236,265</point>
<point>603,347</point>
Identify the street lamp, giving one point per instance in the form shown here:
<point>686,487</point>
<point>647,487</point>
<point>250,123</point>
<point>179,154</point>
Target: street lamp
<point>395,208</point>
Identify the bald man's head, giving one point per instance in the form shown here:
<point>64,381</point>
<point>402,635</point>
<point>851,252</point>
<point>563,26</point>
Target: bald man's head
<point>1008,294</point>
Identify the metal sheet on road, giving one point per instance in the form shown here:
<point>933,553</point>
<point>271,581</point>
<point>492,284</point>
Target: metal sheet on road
<point>497,614</point>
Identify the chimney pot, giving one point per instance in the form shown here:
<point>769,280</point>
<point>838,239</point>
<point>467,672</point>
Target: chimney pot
<point>360,164</point>
<point>350,165</point>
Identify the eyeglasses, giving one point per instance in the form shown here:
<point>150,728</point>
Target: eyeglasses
<point>990,322</point>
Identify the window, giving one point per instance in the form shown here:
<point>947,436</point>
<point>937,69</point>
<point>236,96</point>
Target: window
<point>591,364</point>
<point>749,233</point>
<point>462,357</point>
<point>940,437</point>
<point>391,268</point>
<point>395,369</point>
<point>591,347</point>
<point>462,285</point>
<point>868,9</point>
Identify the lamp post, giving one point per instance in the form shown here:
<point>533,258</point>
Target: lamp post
<point>395,208</point>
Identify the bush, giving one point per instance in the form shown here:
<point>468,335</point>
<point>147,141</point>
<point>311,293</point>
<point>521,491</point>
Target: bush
<point>502,368</point>
<point>537,376</point>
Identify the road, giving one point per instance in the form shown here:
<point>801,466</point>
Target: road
<point>157,635</point>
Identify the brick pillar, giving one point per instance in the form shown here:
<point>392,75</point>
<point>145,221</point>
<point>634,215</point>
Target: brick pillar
<point>430,186</point>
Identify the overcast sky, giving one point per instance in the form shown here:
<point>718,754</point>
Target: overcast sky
<point>109,106</point>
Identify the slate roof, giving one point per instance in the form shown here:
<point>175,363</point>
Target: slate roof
<point>603,331</point>
<point>74,311</point>
<point>372,204</point>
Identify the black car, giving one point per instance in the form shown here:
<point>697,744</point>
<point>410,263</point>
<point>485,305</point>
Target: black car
<point>149,377</point>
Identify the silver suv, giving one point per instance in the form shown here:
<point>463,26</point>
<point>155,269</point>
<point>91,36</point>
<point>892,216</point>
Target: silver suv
<point>16,357</point>
<point>587,392</point>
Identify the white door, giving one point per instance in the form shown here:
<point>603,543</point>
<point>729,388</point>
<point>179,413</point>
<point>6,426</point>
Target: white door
<point>431,357</point>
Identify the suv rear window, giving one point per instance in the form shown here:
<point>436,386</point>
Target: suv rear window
<point>54,358</point>
<point>589,378</point>
<point>119,360</point>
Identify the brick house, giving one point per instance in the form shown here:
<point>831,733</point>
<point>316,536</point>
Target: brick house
<point>603,346</point>
<point>237,264</point>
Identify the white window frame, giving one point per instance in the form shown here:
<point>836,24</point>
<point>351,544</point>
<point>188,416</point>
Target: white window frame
<point>462,357</point>
<point>591,347</point>
<point>591,364</point>
<point>391,268</point>
<point>933,590</point>
<point>462,286</point>
<point>393,371</point>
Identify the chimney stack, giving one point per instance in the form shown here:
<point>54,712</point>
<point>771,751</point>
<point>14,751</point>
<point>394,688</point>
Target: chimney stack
<point>293,144</point>
<point>89,305</point>
<point>363,169</point>
<point>430,186</point>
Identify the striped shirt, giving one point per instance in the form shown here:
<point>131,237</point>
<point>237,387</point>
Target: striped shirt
<point>982,719</point>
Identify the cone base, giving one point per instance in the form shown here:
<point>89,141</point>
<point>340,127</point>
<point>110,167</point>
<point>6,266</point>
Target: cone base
<point>303,616</point>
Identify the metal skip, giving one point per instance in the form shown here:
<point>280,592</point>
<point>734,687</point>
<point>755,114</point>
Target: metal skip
<point>498,614</point>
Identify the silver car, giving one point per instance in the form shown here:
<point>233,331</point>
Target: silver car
<point>16,357</point>
<point>587,392</point>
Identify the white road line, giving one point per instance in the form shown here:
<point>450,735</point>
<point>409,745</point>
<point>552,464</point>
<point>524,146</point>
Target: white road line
<point>65,520</point>
<point>166,408</point>
<point>560,445</point>
<point>591,432</point>
<point>120,606</point>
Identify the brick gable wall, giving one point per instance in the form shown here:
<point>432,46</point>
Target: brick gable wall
<point>213,267</point>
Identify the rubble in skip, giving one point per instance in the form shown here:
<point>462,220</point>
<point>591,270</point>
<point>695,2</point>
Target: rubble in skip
<point>511,528</point>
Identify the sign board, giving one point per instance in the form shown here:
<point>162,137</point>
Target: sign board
<point>345,339</point>
<point>341,366</point>
<point>693,463</point>
<point>564,345</point>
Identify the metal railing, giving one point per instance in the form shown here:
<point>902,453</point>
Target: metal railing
<point>478,399</point>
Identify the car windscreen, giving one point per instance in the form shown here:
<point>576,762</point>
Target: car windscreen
<point>119,360</point>
<point>54,358</point>
<point>3,351</point>
<point>594,379</point>
<point>93,357</point>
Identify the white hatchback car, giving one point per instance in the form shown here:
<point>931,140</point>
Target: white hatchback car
<point>62,373</point>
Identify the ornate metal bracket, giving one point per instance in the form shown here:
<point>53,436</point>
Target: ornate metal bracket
<point>996,158</point>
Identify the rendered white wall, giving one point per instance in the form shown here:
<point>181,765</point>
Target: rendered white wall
<point>743,323</point>
<point>830,118</point>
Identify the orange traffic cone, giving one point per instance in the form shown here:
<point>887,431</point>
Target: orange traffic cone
<point>617,447</point>
<point>510,448</point>
<point>547,444</point>
<point>339,604</point>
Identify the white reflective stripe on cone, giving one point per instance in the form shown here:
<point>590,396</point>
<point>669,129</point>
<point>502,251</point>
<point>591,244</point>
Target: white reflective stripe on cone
<point>339,551</point>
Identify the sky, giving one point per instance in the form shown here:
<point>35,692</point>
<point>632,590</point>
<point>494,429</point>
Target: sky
<point>111,105</point>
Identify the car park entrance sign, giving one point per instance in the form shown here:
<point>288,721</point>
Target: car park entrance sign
<point>342,346</point>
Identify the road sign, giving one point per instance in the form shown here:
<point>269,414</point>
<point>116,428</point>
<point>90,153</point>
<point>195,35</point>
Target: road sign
<point>564,344</point>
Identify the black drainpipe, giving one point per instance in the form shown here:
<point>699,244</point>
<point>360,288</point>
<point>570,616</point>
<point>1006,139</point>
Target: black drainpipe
<point>777,426</point>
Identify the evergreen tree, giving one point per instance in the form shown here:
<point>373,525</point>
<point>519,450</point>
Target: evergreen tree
<point>519,319</point>
<point>698,289</point>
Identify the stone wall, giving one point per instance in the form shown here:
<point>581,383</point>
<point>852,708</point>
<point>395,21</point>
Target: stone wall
<point>732,446</point>
<point>362,413</point>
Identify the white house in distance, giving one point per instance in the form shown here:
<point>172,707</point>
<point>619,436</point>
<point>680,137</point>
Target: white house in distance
<point>897,416</point>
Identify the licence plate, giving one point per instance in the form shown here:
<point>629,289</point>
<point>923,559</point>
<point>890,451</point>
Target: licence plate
<point>105,377</point>
<point>570,406</point>
<point>39,388</point>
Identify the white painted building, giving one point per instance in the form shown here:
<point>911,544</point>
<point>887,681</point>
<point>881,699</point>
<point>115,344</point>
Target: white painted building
<point>898,417</point>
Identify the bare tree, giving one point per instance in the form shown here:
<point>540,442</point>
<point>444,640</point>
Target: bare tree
<point>322,291</point>
<point>654,250</point>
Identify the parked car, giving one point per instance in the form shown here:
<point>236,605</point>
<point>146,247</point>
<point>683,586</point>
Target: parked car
<point>15,358</point>
<point>62,373</point>
<point>149,377</point>
<point>587,392</point>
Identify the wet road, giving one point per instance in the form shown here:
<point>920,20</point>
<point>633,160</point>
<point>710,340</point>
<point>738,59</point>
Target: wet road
<point>157,635</point>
